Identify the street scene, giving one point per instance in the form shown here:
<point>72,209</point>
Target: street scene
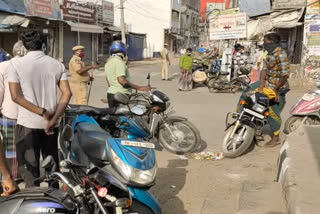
<point>159,107</point>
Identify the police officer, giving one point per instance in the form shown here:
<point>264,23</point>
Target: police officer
<point>80,76</point>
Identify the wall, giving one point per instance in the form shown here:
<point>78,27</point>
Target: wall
<point>148,17</point>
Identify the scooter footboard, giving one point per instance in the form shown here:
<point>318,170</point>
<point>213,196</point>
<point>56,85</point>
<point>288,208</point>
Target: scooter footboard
<point>146,198</point>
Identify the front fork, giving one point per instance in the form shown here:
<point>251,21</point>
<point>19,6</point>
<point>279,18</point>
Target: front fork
<point>156,120</point>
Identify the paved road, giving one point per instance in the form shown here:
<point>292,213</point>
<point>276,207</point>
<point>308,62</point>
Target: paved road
<point>192,186</point>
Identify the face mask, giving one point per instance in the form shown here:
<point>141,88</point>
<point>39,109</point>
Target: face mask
<point>81,55</point>
<point>189,54</point>
<point>270,47</point>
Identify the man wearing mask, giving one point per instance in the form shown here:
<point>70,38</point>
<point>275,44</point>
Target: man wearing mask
<point>80,76</point>
<point>239,59</point>
<point>274,80</point>
<point>185,81</point>
<point>34,81</point>
<point>117,74</point>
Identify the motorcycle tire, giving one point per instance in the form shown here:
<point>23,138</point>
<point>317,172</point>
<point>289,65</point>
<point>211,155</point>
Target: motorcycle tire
<point>293,122</point>
<point>165,137</point>
<point>139,208</point>
<point>243,147</point>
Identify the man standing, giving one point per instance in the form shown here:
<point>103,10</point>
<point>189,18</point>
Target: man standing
<point>117,74</point>
<point>165,62</point>
<point>33,82</point>
<point>274,80</point>
<point>239,59</point>
<point>9,111</point>
<point>80,76</point>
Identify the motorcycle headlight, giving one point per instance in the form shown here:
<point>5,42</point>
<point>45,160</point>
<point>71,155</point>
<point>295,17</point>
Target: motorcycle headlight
<point>259,108</point>
<point>143,177</point>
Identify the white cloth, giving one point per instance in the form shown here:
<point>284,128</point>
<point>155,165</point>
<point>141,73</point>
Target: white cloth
<point>8,107</point>
<point>38,75</point>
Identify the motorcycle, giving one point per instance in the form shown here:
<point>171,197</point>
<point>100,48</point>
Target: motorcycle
<point>307,109</point>
<point>125,167</point>
<point>201,71</point>
<point>247,124</point>
<point>48,200</point>
<point>219,82</point>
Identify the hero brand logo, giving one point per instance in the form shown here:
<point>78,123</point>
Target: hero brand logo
<point>45,210</point>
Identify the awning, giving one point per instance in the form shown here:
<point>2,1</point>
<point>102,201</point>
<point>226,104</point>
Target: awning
<point>7,21</point>
<point>178,37</point>
<point>85,27</point>
<point>113,28</point>
<point>283,19</point>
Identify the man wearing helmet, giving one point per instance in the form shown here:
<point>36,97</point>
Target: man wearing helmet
<point>117,74</point>
<point>80,76</point>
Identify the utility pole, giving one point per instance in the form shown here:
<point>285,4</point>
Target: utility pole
<point>123,31</point>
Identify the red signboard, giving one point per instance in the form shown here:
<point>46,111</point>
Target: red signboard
<point>74,11</point>
<point>204,3</point>
<point>43,8</point>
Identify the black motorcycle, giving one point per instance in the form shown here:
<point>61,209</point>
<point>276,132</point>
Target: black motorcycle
<point>247,124</point>
<point>76,200</point>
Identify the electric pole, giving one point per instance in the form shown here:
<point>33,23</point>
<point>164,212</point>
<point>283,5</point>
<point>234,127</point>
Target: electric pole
<point>123,30</point>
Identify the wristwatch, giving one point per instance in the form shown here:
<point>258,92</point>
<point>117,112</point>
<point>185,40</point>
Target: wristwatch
<point>43,112</point>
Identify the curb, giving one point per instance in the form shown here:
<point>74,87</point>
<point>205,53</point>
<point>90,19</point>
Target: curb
<point>298,171</point>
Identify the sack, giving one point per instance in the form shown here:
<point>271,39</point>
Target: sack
<point>199,76</point>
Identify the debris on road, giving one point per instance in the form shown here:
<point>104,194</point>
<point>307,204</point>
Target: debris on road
<point>206,156</point>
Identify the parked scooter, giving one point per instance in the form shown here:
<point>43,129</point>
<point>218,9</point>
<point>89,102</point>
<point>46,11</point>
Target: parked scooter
<point>125,167</point>
<point>48,200</point>
<point>307,109</point>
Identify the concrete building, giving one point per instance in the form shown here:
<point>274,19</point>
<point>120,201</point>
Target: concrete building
<point>159,20</point>
<point>190,18</point>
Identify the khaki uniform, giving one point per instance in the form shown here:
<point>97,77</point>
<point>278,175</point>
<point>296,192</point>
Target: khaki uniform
<point>165,63</point>
<point>78,82</point>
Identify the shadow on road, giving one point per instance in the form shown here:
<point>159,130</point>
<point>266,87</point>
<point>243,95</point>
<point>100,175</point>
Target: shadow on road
<point>170,181</point>
<point>202,147</point>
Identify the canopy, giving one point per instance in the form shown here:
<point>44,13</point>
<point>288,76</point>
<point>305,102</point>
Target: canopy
<point>6,21</point>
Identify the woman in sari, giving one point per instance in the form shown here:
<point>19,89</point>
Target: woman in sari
<point>185,81</point>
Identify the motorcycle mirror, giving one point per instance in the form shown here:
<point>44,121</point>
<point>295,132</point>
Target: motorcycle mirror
<point>48,163</point>
<point>122,98</point>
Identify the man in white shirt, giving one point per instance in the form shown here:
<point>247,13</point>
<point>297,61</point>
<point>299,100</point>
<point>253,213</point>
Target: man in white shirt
<point>9,112</point>
<point>33,81</point>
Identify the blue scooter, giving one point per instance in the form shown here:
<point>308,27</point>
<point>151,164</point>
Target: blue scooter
<point>121,169</point>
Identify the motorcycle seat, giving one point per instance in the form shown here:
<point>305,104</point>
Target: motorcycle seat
<point>224,73</point>
<point>83,109</point>
<point>92,140</point>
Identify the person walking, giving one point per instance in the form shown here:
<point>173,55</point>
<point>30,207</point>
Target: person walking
<point>33,83</point>
<point>9,111</point>
<point>185,81</point>
<point>165,62</point>
<point>117,74</point>
<point>80,76</point>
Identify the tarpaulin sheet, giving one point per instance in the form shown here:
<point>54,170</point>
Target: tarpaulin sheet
<point>13,20</point>
<point>255,7</point>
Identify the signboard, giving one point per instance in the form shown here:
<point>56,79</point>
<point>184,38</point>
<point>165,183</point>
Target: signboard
<point>314,8</point>
<point>43,8</point>
<point>107,12</point>
<point>73,11</point>
<point>231,26</point>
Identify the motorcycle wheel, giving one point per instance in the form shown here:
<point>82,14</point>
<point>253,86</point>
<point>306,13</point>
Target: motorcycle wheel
<point>243,143</point>
<point>139,208</point>
<point>293,122</point>
<point>187,136</point>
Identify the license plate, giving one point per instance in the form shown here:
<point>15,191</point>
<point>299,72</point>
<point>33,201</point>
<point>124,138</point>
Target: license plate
<point>254,113</point>
<point>138,144</point>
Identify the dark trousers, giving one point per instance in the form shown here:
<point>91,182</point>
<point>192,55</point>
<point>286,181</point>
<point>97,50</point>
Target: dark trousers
<point>111,101</point>
<point>29,144</point>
